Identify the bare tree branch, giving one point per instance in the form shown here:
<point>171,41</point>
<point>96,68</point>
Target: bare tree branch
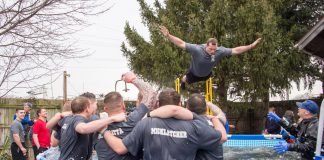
<point>35,37</point>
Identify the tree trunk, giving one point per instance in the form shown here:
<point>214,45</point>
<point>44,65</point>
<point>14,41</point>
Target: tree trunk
<point>221,91</point>
<point>266,100</point>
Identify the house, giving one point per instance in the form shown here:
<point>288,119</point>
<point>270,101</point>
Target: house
<point>313,42</point>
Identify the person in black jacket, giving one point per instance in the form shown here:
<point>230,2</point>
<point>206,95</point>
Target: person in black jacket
<point>271,127</point>
<point>305,132</point>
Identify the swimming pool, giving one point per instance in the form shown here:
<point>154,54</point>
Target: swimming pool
<point>264,153</point>
<point>255,147</point>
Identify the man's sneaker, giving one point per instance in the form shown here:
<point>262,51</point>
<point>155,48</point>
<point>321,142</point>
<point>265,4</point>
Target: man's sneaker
<point>183,86</point>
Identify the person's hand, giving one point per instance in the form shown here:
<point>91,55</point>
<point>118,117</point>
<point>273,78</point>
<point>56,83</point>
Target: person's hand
<point>24,151</point>
<point>255,43</point>
<point>129,77</point>
<point>273,116</point>
<point>281,147</point>
<point>164,31</point>
<point>119,117</point>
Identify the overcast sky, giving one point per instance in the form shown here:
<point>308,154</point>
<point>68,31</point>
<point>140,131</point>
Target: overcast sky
<point>99,72</point>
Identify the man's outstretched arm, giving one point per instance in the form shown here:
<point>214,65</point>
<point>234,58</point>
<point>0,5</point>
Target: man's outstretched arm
<point>175,40</point>
<point>93,126</point>
<point>242,49</point>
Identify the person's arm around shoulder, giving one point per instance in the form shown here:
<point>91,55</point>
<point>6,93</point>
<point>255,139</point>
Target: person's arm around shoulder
<point>169,111</point>
<point>115,143</point>
<point>242,49</point>
<point>175,40</point>
<point>217,112</point>
<point>57,117</point>
<point>220,127</point>
<point>96,125</point>
<point>132,143</point>
<point>207,137</point>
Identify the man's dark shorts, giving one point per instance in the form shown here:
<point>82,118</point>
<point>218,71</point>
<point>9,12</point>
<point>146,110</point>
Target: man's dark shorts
<point>191,78</point>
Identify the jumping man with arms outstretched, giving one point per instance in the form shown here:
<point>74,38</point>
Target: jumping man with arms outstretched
<point>204,56</point>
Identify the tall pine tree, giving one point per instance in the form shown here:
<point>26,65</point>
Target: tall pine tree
<point>255,75</point>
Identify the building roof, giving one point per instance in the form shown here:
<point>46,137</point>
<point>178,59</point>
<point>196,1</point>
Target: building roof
<point>313,42</point>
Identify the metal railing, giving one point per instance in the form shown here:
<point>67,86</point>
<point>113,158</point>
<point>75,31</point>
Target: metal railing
<point>123,89</point>
<point>320,133</point>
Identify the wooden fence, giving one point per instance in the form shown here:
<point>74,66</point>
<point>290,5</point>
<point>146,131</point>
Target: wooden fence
<point>8,108</point>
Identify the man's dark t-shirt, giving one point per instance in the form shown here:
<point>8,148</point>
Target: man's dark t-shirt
<point>74,146</point>
<point>217,153</point>
<point>171,138</point>
<point>121,130</point>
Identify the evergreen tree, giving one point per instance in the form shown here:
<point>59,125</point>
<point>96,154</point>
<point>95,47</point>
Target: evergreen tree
<point>266,70</point>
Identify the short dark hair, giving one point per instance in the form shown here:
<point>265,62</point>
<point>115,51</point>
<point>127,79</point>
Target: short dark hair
<point>79,104</point>
<point>169,97</point>
<point>38,112</point>
<point>113,100</point>
<point>197,103</point>
<point>88,95</point>
<point>213,41</point>
<point>19,108</point>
